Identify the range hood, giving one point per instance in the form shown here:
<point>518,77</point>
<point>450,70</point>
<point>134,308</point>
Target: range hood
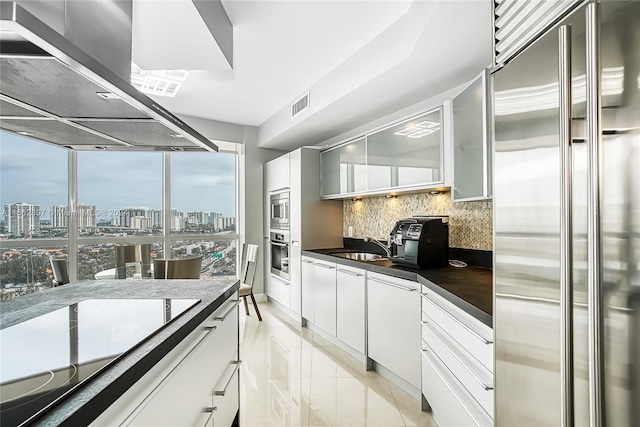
<point>52,90</point>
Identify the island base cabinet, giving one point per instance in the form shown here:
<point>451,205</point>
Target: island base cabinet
<point>196,384</point>
<point>393,323</point>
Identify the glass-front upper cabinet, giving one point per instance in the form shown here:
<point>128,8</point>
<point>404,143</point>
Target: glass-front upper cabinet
<point>406,154</point>
<point>471,142</point>
<point>344,168</point>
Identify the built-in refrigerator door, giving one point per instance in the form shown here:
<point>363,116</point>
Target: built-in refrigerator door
<point>620,226</point>
<point>526,206</point>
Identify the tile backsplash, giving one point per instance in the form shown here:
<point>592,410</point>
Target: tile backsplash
<point>470,223</point>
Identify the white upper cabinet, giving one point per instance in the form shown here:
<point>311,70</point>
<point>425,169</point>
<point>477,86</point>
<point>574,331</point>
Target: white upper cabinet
<point>344,168</point>
<point>405,155</point>
<point>472,142</point>
<point>277,174</point>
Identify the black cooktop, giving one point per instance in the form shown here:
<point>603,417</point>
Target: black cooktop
<point>43,359</point>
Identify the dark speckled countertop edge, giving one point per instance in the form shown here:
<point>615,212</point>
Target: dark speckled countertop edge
<point>87,402</point>
<point>415,276</point>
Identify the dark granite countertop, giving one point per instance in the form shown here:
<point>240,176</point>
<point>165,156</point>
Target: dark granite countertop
<point>98,393</point>
<point>469,288</point>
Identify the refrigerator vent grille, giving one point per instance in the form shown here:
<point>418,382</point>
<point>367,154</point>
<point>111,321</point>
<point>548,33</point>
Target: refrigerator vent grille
<point>519,22</point>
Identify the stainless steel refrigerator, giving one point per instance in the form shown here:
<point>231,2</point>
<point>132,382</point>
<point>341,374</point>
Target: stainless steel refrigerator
<point>567,223</point>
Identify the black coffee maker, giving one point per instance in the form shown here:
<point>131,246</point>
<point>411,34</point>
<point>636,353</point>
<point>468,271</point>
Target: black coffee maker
<point>420,242</point>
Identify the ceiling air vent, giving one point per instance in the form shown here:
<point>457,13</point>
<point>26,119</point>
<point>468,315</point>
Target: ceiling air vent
<point>300,105</point>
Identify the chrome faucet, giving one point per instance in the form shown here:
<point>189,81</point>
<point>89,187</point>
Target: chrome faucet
<point>376,242</point>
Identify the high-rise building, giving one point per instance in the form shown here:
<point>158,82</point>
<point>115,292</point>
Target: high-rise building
<point>196,217</point>
<point>141,222</point>
<point>177,223</point>
<point>59,216</point>
<point>86,215</point>
<point>228,221</point>
<point>22,218</point>
<point>214,219</point>
<point>127,214</point>
<point>156,217</point>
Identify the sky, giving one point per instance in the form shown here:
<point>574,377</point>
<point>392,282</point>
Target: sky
<point>36,173</point>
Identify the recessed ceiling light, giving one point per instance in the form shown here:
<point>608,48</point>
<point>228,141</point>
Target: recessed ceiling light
<point>25,133</point>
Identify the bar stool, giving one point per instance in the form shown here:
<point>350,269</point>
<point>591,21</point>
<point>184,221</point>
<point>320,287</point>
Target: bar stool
<point>188,268</point>
<point>60,271</point>
<point>128,254</point>
<point>249,265</point>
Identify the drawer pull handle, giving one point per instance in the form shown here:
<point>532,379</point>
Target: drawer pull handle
<point>224,389</point>
<point>460,322</point>
<point>224,316</point>
<point>306,261</point>
<point>330,267</point>
<point>211,411</point>
<point>351,273</point>
<point>454,354</point>
<point>404,288</point>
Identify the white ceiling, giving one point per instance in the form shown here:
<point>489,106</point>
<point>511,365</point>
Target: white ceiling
<point>358,59</point>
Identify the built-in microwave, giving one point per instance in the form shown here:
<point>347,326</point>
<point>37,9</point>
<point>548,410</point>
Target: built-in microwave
<point>280,211</point>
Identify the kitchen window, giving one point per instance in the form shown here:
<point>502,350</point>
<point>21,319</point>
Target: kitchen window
<point>121,198</point>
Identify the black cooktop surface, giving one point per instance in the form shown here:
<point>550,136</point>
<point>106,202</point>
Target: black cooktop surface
<point>43,359</point>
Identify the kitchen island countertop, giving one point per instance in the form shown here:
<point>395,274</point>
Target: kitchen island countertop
<point>96,394</point>
<point>469,288</point>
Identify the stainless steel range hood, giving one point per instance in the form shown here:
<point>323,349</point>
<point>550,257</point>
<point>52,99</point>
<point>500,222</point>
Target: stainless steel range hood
<point>80,98</point>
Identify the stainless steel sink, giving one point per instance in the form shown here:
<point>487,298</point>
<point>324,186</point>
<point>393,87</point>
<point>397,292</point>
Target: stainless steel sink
<point>360,256</point>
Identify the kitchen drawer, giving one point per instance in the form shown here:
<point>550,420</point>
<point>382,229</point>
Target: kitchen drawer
<point>226,397</point>
<point>225,336</point>
<point>471,374</point>
<point>470,333</point>
<point>280,290</point>
<point>450,403</point>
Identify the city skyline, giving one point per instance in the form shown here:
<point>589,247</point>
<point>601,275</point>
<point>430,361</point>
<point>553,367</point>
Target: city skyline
<point>24,218</point>
<point>114,180</point>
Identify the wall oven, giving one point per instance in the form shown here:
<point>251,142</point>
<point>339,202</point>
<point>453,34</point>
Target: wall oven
<point>280,211</point>
<point>280,254</point>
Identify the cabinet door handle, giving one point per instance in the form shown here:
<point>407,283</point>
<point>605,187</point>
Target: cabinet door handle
<point>284,245</point>
<point>351,273</point>
<point>404,288</point>
<point>330,267</point>
<point>279,189</point>
<point>222,392</point>
<point>211,411</point>
<point>224,316</point>
<point>475,376</point>
<point>460,322</point>
<point>306,261</point>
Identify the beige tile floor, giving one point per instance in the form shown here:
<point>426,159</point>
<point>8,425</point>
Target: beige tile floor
<point>292,377</point>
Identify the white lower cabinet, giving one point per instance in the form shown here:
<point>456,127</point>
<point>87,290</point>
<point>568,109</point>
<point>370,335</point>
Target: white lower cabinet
<point>324,296</point>
<point>306,284</point>
<point>457,366</point>
<point>280,290</point>
<point>182,388</point>
<point>350,306</point>
<point>393,323</point>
